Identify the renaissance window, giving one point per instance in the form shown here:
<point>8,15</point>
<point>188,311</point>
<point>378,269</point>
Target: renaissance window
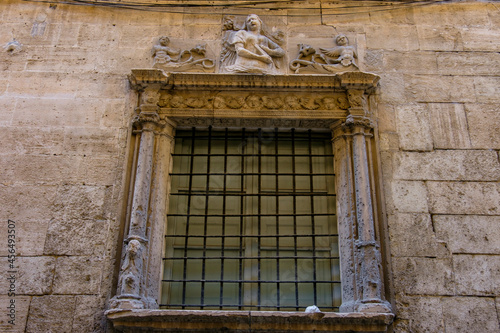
<point>251,221</point>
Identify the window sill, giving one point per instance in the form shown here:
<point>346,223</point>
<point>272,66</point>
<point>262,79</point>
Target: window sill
<point>246,321</point>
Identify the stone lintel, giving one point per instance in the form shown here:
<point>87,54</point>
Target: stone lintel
<point>246,321</point>
<point>194,81</point>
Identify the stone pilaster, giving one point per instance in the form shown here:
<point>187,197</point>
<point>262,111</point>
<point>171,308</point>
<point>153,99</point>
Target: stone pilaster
<point>148,184</point>
<point>362,282</point>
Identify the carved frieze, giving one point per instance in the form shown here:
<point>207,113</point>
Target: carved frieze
<point>177,60</point>
<point>245,100</point>
<point>340,58</point>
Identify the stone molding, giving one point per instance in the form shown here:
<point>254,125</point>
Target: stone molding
<point>246,321</point>
<point>348,116</point>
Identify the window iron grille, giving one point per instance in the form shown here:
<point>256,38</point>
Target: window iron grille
<point>251,222</point>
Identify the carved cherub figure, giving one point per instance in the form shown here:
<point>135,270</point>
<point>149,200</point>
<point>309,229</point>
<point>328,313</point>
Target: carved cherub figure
<point>343,53</point>
<point>162,53</point>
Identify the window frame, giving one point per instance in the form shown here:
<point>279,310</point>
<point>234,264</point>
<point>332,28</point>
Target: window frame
<point>363,249</point>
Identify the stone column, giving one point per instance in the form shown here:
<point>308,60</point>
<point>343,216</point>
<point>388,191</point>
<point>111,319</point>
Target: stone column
<point>132,292</point>
<point>362,283</point>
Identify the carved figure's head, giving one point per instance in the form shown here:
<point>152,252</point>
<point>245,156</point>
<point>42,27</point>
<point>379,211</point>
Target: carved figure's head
<point>164,40</point>
<point>341,40</point>
<point>253,23</point>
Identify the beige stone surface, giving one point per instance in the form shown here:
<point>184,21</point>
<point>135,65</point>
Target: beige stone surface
<point>34,275</point>
<point>409,197</point>
<point>76,275</point>
<point>61,235</point>
<point>477,274</point>
<point>423,276</point>
<point>447,165</point>
<point>484,125</point>
<point>22,304</point>
<point>88,313</point>
<point>471,234</point>
<point>438,89</point>
<point>470,314</point>
<point>413,235</point>
<point>51,313</point>
<point>449,126</point>
<point>413,127</point>
<point>468,198</point>
<point>424,314</point>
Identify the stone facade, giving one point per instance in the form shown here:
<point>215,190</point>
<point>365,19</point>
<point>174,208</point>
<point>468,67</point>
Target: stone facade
<point>67,145</point>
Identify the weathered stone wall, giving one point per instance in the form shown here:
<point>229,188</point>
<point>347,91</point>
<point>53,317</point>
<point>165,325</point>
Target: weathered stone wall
<point>65,123</point>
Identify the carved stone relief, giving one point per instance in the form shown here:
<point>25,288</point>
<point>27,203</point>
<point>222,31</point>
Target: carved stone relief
<point>254,101</point>
<point>251,49</point>
<point>176,60</point>
<point>339,58</point>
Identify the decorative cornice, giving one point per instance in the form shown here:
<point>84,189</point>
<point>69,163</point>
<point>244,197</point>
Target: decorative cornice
<point>197,81</point>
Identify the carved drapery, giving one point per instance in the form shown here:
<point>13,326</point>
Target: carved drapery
<point>343,105</point>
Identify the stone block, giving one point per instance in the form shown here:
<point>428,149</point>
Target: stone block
<point>386,118</point>
<point>469,198</point>
<point>484,125</point>
<point>7,105</point>
<point>99,171</point>
<point>449,126</point>
<point>91,236</point>
<point>389,141</point>
<point>412,235</point>
<point>439,38</point>
<point>51,313</point>
<point>92,141</point>
<point>423,313</point>
<point>470,314</point>
<point>440,89</point>
<point>487,89</point>
<point>54,111</point>
<point>468,63</point>
<point>392,88</point>
<point>423,276</point>
<point>22,304</point>
<point>43,84</point>
<point>477,274</point>
<point>30,237</point>
<point>480,39</point>
<point>409,197</point>
<point>383,37</point>
<point>88,314</point>
<point>39,169</point>
<point>82,202</point>
<point>26,203</point>
<point>60,59</point>
<point>469,233</point>
<point>77,275</point>
<point>100,86</point>
<point>34,275</point>
<point>115,113</point>
<point>414,127</point>
<point>31,140</point>
<point>410,62</point>
<point>457,14</point>
<point>447,165</point>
